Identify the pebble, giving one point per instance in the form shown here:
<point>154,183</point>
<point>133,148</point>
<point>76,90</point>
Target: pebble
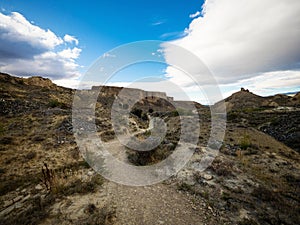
<point>90,173</point>
<point>7,203</point>
<point>38,187</point>
<point>18,198</point>
<point>207,177</point>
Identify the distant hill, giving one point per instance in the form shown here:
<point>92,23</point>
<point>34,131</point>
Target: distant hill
<point>292,93</point>
<point>244,99</point>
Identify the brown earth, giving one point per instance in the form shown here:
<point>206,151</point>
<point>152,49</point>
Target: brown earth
<point>255,179</point>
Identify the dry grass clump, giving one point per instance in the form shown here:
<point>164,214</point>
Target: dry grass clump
<point>66,184</point>
<point>222,168</point>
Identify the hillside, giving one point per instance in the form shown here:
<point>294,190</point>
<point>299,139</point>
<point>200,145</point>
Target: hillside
<point>246,100</point>
<point>45,180</point>
<point>277,116</point>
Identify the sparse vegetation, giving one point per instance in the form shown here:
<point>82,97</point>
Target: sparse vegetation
<point>6,140</point>
<point>30,155</point>
<point>245,142</point>
<point>253,180</point>
<point>66,184</point>
<point>222,168</point>
<point>11,183</point>
<point>185,112</point>
<point>184,187</point>
<point>137,112</point>
<point>54,103</point>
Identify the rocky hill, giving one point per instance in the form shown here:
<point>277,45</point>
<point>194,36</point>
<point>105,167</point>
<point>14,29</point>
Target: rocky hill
<point>277,116</point>
<point>246,100</point>
<point>44,179</point>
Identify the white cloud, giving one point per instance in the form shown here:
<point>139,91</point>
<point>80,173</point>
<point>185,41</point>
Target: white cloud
<point>26,49</point>
<point>108,55</point>
<point>272,82</point>
<point>69,83</point>
<point>173,35</point>
<point>70,39</point>
<point>48,64</point>
<point>196,14</point>
<point>69,53</point>
<point>157,23</point>
<point>18,29</point>
<point>242,39</point>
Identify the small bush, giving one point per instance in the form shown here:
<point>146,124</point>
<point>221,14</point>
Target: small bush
<point>6,140</point>
<point>38,138</point>
<point>62,184</point>
<point>245,142</point>
<point>233,116</point>
<point>137,112</point>
<point>30,155</point>
<point>97,216</point>
<point>185,187</point>
<point>221,168</point>
<point>54,103</point>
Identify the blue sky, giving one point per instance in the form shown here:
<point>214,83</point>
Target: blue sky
<point>103,25</point>
<point>253,44</point>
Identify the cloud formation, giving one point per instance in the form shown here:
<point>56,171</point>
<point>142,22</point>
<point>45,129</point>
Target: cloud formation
<point>240,39</point>
<point>71,39</point>
<point>196,14</point>
<point>26,49</point>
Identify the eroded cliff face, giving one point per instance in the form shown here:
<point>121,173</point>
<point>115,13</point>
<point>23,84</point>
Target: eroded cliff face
<point>133,93</point>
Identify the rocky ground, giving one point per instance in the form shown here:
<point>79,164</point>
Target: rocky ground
<point>255,179</point>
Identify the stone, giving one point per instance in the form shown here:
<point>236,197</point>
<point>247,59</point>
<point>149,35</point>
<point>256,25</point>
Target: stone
<point>38,187</point>
<point>91,173</point>
<point>7,210</point>
<point>26,198</point>
<point>207,176</point>
<point>18,198</point>
<point>7,203</point>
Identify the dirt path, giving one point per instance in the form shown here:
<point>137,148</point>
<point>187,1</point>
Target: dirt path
<point>151,205</point>
<point>157,204</point>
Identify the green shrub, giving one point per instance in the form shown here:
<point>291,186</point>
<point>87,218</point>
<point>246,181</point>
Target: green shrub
<point>245,142</point>
<point>184,187</point>
<point>184,112</point>
<point>54,103</point>
<point>137,112</point>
